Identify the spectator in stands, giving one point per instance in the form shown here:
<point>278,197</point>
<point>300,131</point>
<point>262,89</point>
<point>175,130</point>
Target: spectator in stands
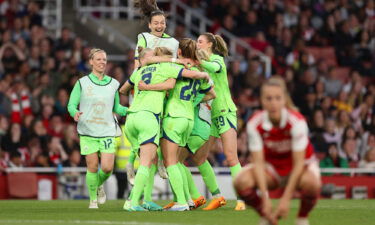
<point>15,160</point>
<point>331,135</point>
<point>369,159</point>
<point>333,160</point>
<point>56,152</point>
<point>332,85</point>
<point>350,150</point>
<point>343,121</point>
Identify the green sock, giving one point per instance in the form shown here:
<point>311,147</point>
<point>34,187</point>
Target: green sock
<point>147,195</point>
<point>176,181</point>
<point>139,184</point>
<point>209,177</point>
<point>92,184</point>
<point>184,181</point>
<point>132,157</point>
<point>234,170</point>
<point>192,187</point>
<point>102,177</point>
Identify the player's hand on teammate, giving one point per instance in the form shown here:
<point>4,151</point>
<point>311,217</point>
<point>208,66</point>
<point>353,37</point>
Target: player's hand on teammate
<point>205,76</point>
<point>188,63</point>
<point>77,115</point>
<point>142,86</point>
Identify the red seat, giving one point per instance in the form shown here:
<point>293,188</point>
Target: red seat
<point>22,185</point>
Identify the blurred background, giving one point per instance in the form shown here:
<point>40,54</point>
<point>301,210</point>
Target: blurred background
<point>323,49</point>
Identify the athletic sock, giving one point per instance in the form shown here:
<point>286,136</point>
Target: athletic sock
<point>234,170</point>
<point>251,198</point>
<point>102,177</point>
<point>92,185</point>
<point>184,181</point>
<point>139,184</point>
<point>147,195</point>
<point>308,202</point>
<point>176,181</point>
<point>209,178</point>
<point>191,184</point>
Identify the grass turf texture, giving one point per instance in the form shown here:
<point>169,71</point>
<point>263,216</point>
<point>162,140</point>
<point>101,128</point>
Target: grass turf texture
<point>327,212</point>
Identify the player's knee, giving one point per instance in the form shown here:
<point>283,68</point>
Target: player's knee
<point>310,185</point>
<point>199,160</point>
<point>107,169</point>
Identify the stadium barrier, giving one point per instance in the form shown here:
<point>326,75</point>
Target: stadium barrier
<point>69,183</point>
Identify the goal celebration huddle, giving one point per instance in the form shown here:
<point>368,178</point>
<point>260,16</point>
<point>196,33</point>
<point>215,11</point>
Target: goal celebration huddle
<point>181,104</point>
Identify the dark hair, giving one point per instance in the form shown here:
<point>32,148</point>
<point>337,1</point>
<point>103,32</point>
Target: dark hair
<point>219,46</point>
<point>148,8</point>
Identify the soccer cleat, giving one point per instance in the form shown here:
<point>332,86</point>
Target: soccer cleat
<point>136,209</point>
<point>127,205</point>
<point>130,173</point>
<point>161,169</point>
<point>179,208</point>
<point>240,206</point>
<point>93,204</point>
<point>152,206</point>
<point>199,202</point>
<point>169,205</point>
<point>302,221</point>
<point>263,221</point>
<point>216,203</point>
<point>102,197</point>
<point>191,204</point>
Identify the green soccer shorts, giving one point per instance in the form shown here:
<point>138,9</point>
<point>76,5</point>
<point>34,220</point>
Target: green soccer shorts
<point>223,123</point>
<point>177,129</point>
<point>194,143</point>
<point>141,128</point>
<point>91,145</point>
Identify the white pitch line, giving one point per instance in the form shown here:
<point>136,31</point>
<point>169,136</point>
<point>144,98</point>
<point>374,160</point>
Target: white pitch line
<point>82,222</point>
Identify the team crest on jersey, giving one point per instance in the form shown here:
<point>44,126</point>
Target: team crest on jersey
<point>89,91</point>
<point>99,107</point>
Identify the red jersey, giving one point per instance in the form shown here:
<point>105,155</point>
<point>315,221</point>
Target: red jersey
<point>278,143</point>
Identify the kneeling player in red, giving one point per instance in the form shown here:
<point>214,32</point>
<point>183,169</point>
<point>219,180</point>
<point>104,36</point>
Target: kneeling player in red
<point>282,157</point>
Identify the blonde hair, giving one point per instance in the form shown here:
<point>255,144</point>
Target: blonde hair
<point>93,51</point>
<point>277,81</point>
<point>142,52</point>
<point>202,55</point>
<point>219,46</point>
<point>163,51</point>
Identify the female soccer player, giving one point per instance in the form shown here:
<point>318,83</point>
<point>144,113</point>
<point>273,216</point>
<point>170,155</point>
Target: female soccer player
<point>178,124</point>
<point>282,156</point>
<point>142,126</point>
<point>97,97</point>
<point>157,25</point>
<point>224,110</point>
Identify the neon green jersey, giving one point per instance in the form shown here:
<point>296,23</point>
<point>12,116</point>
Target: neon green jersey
<point>223,102</point>
<point>152,74</point>
<point>180,102</point>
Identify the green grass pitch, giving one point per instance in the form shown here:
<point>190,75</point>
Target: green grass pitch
<point>327,212</point>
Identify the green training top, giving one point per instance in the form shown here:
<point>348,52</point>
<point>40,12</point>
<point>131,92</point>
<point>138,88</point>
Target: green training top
<point>223,102</point>
<point>75,96</point>
<point>152,74</point>
<point>181,98</point>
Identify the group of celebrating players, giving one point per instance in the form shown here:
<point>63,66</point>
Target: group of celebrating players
<point>182,102</point>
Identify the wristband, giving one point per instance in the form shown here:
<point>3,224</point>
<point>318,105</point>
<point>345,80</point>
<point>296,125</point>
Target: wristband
<point>173,60</point>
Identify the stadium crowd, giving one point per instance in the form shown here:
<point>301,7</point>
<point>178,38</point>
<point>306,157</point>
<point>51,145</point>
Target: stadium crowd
<point>37,73</point>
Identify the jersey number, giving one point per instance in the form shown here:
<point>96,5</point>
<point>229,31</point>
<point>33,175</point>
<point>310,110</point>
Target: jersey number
<point>190,90</point>
<point>107,143</point>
